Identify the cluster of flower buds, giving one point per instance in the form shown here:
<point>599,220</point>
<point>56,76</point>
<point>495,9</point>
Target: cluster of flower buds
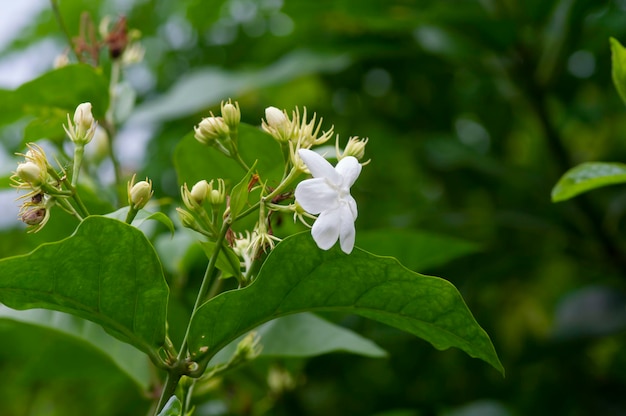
<point>221,131</point>
<point>41,182</point>
<point>195,216</point>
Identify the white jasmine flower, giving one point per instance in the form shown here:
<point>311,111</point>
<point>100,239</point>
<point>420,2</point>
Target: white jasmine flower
<point>328,194</point>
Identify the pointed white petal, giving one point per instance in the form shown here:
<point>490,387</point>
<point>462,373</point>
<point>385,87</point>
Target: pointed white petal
<point>315,195</point>
<point>319,167</point>
<point>350,169</point>
<point>325,230</point>
<point>347,232</point>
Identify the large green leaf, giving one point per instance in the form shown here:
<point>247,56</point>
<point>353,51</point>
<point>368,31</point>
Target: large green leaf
<point>304,335</point>
<point>586,177</point>
<point>54,93</point>
<point>297,276</point>
<point>127,358</point>
<point>106,272</point>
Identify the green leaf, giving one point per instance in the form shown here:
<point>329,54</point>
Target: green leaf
<point>304,335</point>
<point>227,260</point>
<point>173,407</point>
<point>60,90</point>
<point>106,272</point>
<point>239,194</point>
<point>127,358</point>
<point>297,276</point>
<point>588,176</point>
<point>143,216</point>
<point>415,250</point>
<point>618,54</point>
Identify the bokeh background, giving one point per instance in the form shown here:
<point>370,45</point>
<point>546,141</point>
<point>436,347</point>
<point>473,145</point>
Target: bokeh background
<point>473,110</point>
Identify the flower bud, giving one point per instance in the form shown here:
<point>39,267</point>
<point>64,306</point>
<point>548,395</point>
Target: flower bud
<point>83,119</point>
<point>139,194</point>
<point>231,114</point>
<point>200,191</point>
<point>186,219</point>
<point>275,118</point>
<point>248,348</point>
<point>278,124</point>
<point>354,147</point>
<point>211,129</point>
<point>30,172</point>
<point>84,127</point>
<point>217,196</point>
<point>33,216</point>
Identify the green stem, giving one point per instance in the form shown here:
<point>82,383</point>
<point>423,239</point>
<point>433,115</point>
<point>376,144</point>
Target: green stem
<point>81,207</point>
<point>175,374</point>
<point>132,213</point>
<point>241,162</point>
<point>293,174</point>
<point>68,208</point>
<point>79,151</point>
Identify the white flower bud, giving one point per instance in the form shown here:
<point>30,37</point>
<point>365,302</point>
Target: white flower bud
<point>83,119</point>
<point>30,172</point>
<point>275,118</point>
<point>140,193</point>
<point>200,191</point>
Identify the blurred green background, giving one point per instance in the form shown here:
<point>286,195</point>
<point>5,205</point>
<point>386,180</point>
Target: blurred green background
<point>473,110</point>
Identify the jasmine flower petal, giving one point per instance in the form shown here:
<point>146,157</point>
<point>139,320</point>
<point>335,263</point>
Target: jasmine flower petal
<point>350,169</point>
<point>325,230</point>
<point>318,166</point>
<point>315,195</point>
<point>347,232</point>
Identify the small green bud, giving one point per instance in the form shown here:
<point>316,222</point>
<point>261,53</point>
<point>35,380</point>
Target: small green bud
<point>354,147</point>
<point>217,195</point>
<point>186,219</point>
<point>231,114</point>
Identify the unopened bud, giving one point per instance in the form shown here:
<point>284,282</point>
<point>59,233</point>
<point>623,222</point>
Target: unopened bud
<point>84,127</point>
<point>354,147</point>
<point>231,114</point>
<point>217,195</point>
<point>275,118</point>
<point>30,172</point>
<point>277,124</point>
<point>140,193</point>
<point>200,191</point>
<point>186,219</point>
<point>33,216</point>
<point>211,129</point>
<point>83,119</point>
